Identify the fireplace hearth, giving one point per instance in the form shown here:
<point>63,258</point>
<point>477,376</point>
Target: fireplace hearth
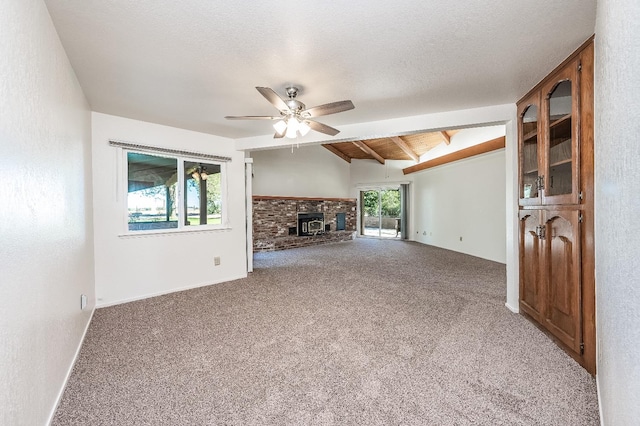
<point>310,224</point>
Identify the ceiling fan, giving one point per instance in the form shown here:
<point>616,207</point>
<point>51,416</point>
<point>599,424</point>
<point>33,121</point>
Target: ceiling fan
<point>295,118</point>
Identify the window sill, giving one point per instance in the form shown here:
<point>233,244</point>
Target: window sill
<point>174,231</point>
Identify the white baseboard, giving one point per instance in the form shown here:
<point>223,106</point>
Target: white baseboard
<point>162,293</point>
<point>599,399</point>
<point>512,309</point>
<point>70,370</point>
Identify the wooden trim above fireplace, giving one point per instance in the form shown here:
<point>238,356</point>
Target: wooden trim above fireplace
<point>277,197</point>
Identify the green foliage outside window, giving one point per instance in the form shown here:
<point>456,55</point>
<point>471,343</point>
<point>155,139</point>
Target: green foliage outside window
<point>389,202</point>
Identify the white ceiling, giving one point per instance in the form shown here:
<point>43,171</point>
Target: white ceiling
<point>189,63</point>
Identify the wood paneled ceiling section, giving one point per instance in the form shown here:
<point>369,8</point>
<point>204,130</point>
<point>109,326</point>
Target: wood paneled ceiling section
<point>408,147</point>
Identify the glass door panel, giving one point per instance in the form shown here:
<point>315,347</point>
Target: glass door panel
<point>529,184</point>
<point>530,148</point>
<point>380,213</point>
<point>390,213</point>
<point>370,213</point>
<point>560,137</point>
<point>561,157</point>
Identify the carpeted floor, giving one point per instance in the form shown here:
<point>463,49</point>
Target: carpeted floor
<point>369,332</point>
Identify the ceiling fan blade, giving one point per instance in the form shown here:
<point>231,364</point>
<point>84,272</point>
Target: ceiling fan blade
<point>251,117</point>
<point>278,135</point>
<point>322,128</point>
<point>326,109</point>
<point>273,97</point>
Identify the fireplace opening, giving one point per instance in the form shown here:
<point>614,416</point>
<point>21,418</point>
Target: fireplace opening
<point>310,224</point>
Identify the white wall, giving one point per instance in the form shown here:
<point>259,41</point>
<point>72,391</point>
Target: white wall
<point>463,199</point>
<point>443,204</point>
<point>617,157</point>
<point>364,172</point>
<point>134,267</point>
<point>46,249</point>
<point>511,214</point>
<point>465,138</point>
<point>308,171</point>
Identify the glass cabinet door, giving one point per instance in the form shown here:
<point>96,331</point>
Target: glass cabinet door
<point>560,177</point>
<point>529,137</point>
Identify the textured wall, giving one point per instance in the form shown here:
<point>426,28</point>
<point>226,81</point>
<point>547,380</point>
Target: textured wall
<point>308,171</point>
<point>46,231</point>
<point>465,138</point>
<point>617,156</point>
<point>464,199</point>
<point>138,266</point>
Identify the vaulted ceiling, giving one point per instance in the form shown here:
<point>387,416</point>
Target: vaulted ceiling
<point>409,147</point>
<point>190,63</point>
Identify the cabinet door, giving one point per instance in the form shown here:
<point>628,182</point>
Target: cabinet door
<point>561,137</point>
<point>563,313</point>
<point>529,149</point>
<point>531,298</point>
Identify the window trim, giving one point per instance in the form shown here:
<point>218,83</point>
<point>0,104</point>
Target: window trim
<point>126,148</point>
<point>169,151</point>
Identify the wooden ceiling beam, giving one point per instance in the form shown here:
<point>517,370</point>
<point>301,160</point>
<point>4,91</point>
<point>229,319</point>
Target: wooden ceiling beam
<point>445,137</point>
<point>482,148</point>
<point>337,152</point>
<point>369,151</point>
<point>406,148</point>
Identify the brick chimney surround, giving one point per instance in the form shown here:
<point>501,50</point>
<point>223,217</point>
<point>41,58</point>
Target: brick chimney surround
<point>275,221</point>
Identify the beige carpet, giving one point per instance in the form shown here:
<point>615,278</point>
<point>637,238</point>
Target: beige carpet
<point>369,332</point>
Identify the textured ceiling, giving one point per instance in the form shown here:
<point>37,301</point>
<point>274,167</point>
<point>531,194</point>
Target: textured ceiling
<point>190,63</point>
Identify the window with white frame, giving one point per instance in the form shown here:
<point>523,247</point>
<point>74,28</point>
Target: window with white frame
<point>166,192</point>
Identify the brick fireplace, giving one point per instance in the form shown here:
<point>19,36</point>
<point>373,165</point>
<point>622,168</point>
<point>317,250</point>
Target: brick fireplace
<point>276,221</point>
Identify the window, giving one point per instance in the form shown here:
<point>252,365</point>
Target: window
<point>380,213</point>
<point>173,192</point>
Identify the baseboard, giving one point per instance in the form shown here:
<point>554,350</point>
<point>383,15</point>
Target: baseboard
<point>512,309</point>
<point>599,399</point>
<point>502,262</point>
<point>162,293</point>
<point>66,379</point>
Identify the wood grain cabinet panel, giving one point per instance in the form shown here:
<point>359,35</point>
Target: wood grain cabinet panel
<point>530,250</point>
<point>556,179</point>
<point>563,313</point>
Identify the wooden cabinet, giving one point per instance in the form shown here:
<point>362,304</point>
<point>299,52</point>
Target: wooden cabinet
<point>555,128</point>
<point>550,261</point>
<point>530,264</point>
<point>549,129</point>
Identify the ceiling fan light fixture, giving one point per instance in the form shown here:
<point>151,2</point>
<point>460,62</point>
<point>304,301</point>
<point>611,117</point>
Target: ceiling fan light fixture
<point>280,126</point>
<point>295,118</point>
<point>303,128</point>
<point>292,128</point>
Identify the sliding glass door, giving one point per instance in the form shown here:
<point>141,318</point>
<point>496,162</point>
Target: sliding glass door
<point>380,213</point>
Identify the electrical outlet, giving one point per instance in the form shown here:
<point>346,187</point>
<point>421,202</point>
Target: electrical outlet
<point>424,232</point>
<point>216,261</point>
<point>460,238</point>
<point>83,301</point>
